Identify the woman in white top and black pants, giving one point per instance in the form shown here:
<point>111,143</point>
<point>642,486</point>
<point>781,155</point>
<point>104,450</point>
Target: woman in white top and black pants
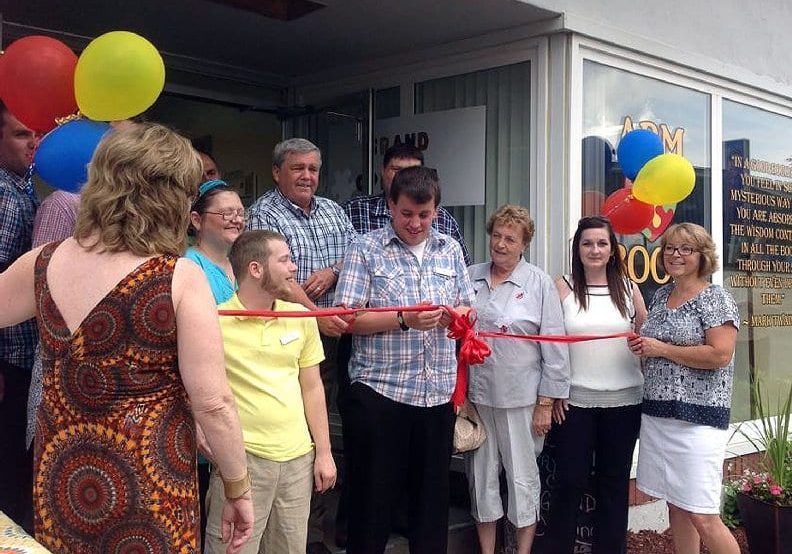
<point>596,429</point>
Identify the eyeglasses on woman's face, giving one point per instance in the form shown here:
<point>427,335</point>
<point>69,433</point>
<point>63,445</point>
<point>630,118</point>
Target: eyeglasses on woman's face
<point>229,215</point>
<point>683,250</point>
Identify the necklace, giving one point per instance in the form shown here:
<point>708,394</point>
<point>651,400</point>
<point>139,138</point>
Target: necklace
<point>678,296</point>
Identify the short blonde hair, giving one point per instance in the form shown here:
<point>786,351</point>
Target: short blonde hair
<point>141,181</point>
<point>701,241</point>
<point>509,214</point>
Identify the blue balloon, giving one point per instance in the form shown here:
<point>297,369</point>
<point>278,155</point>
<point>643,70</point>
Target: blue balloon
<point>635,149</point>
<point>62,157</point>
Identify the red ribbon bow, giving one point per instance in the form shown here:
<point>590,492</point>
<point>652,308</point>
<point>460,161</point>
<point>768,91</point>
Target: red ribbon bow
<point>473,351</point>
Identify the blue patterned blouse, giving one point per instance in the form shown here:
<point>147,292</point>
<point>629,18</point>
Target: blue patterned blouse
<point>701,396</point>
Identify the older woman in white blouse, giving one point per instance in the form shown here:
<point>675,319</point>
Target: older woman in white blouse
<point>514,389</point>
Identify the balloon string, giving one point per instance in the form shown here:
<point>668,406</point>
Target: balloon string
<point>473,350</point>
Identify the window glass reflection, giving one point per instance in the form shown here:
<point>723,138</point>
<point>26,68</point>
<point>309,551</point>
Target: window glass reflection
<point>757,235</point>
<point>617,101</point>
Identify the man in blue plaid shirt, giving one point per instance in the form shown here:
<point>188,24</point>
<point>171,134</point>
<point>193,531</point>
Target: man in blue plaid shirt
<point>318,232</point>
<point>371,212</point>
<point>18,204</point>
<point>398,417</point>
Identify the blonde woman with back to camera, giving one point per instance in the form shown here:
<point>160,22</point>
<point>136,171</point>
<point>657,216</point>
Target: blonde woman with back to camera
<point>132,358</point>
<point>687,345</point>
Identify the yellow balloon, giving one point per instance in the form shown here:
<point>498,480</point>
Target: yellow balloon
<point>665,179</point>
<point>119,75</point>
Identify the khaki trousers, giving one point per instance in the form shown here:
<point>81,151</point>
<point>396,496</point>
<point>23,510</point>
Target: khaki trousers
<point>281,493</point>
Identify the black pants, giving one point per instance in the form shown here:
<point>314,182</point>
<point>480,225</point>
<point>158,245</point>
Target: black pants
<point>320,509</point>
<point>395,447</point>
<point>16,461</point>
<point>342,513</point>
<point>593,447</point>
<point>203,488</point>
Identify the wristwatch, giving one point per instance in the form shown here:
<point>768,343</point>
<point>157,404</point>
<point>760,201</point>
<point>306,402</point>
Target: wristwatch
<point>235,489</point>
<point>545,402</point>
<point>335,269</point>
<point>402,325</point>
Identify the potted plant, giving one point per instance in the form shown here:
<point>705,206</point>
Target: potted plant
<point>764,497</point>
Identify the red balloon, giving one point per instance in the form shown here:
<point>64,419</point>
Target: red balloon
<point>627,215</point>
<point>592,202</point>
<point>38,81</point>
<point>2,81</point>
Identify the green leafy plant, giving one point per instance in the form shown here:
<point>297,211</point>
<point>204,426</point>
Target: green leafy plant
<point>769,434</point>
<point>730,513</point>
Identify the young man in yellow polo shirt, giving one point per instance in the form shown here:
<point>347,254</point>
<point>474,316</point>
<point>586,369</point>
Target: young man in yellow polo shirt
<point>273,369</point>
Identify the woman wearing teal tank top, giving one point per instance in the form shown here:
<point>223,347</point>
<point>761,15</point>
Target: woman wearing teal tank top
<point>217,218</point>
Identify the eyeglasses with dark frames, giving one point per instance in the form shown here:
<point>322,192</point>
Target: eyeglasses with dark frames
<point>684,250</point>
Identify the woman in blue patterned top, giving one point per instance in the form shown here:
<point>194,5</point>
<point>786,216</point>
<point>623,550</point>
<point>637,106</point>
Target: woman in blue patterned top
<point>687,345</point>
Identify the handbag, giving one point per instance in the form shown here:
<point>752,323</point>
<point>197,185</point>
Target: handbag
<point>469,432</point>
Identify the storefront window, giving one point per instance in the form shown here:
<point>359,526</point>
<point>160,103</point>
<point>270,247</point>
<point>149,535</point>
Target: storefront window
<point>387,102</point>
<point>757,235</point>
<point>616,102</point>
<point>506,93</point>
<point>240,141</point>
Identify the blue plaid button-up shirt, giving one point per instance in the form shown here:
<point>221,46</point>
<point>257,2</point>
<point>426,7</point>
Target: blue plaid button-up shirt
<point>412,367</point>
<point>369,213</point>
<point>317,239</point>
<point>18,204</point>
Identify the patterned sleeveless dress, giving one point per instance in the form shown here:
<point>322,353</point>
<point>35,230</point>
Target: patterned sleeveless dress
<point>115,444</point>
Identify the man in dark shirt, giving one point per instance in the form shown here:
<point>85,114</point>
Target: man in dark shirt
<point>371,212</point>
<point>18,204</point>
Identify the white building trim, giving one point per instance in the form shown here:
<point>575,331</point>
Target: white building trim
<point>636,46</point>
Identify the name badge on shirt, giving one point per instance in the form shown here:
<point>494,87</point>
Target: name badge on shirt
<point>289,337</point>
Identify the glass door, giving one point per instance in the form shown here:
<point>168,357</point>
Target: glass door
<point>341,131</point>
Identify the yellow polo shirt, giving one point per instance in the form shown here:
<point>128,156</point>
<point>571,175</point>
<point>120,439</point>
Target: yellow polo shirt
<point>263,358</point>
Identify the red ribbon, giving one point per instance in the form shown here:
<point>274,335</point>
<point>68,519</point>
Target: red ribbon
<point>330,312</point>
<point>473,350</point>
<point>556,338</point>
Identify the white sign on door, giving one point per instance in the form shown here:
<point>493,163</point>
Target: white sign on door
<point>452,141</point>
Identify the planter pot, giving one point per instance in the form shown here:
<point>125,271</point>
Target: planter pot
<point>767,526</point>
